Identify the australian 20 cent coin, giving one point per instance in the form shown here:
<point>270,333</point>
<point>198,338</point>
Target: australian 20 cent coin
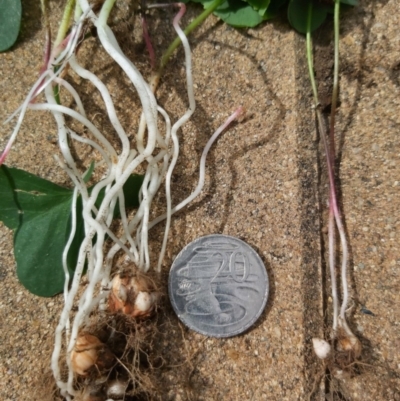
<point>218,286</point>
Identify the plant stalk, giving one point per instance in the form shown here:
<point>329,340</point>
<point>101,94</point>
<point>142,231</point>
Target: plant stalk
<point>193,25</point>
<point>334,209</point>
<point>331,218</point>
<point>105,11</point>
<point>65,23</point>
<point>335,81</point>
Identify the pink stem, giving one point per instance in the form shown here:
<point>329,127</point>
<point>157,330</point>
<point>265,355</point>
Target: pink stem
<point>175,23</point>
<point>57,50</point>
<point>332,253</point>
<point>48,58</point>
<point>149,45</point>
<point>5,153</point>
<point>47,52</point>
<point>178,16</point>
<point>334,208</point>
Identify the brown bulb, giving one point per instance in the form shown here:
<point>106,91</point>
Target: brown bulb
<point>350,344</point>
<point>90,352</point>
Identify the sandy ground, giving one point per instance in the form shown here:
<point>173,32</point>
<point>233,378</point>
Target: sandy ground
<point>265,184</point>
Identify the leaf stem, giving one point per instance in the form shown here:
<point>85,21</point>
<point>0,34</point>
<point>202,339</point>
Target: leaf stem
<point>331,224</point>
<point>310,59</point>
<point>332,195</point>
<point>334,209</point>
<point>65,22</point>
<point>194,24</point>
<point>331,219</point>
<point>47,50</point>
<point>335,80</point>
<point>105,11</point>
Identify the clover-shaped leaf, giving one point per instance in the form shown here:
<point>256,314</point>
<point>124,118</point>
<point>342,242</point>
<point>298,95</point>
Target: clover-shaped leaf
<point>10,21</point>
<point>39,212</point>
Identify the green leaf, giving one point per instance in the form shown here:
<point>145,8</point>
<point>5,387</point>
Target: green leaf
<point>40,213</point>
<point>10,21</point>
<point>298,13</point>
<point>241,14</point>
<point>238,14</point>
<point>23,196</point>
<point>259,4</point>
<point>249,13</point>
<point>38,247</point>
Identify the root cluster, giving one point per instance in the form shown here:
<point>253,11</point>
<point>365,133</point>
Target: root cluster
<point>124,369</point>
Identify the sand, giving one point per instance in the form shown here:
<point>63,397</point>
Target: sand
<point>265,184</point>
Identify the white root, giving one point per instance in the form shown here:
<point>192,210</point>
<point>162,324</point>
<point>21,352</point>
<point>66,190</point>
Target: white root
<point>152,154</point>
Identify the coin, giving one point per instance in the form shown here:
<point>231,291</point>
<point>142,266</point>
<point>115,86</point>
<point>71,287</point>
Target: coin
<point>218,286</point>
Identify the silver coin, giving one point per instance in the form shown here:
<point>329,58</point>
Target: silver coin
<point>218,286</point>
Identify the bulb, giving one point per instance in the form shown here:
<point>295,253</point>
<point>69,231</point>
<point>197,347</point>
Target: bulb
<point>88,352</point>
<point>144,303</point>
<point>321,348</point>
<point>132,295</point>
<point>116,389</point>
<point>350,344</point>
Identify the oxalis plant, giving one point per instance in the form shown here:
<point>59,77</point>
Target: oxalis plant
<point>80,220</point>
<point>84,242</point>
<point>343,347</point>
<point>346,346</point>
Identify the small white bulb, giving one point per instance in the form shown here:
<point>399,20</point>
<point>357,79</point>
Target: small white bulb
<point>143,301</point>
<point>116,389</point>
<point>321,348</point>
